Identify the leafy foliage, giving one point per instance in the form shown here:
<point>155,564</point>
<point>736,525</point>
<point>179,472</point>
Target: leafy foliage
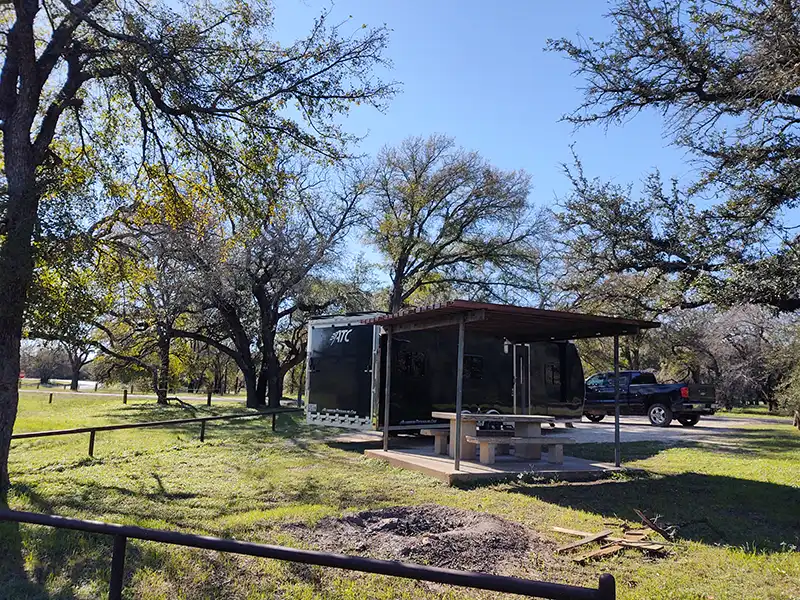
<point>447,221</point>
<point>723,76</point>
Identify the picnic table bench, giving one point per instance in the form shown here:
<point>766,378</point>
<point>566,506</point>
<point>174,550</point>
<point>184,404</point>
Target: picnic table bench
<point>524,447</point>
<point>439,439</point>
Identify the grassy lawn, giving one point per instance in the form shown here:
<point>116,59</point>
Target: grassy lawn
<point>59,386</point>
<point>760,411</point>
<point>738,507</point>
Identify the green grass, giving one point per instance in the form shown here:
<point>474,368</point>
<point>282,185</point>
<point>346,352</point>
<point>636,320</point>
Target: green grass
<point>738,506</point>
<point>760,411</point>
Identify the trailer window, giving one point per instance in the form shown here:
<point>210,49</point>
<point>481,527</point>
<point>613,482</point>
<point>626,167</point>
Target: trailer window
<point>473,367</point>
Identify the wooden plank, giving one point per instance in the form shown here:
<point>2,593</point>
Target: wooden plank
<point>653,547</point>
<point>637,533</point>
<point>602,551</point>
<point>586,540</point>
<point>634,542</point>
<point>571,531</point>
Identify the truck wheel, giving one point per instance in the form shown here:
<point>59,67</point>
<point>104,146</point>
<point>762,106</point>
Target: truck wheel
<point>595,418</point>
<point>660,415</point>
<point>688,420</point>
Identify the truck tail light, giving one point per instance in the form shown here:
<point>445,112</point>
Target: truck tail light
<point>684,392</point>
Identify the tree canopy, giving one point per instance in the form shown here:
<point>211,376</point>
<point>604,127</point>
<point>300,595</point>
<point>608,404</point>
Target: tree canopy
<point>444,218</point>
<point>137,85</point>
<point>722,75</point>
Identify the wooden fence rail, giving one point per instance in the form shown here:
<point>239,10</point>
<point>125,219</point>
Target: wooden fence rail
<point>92,431</point>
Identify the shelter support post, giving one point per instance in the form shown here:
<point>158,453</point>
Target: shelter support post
<point>388,391</point>
<point>617,449</point>
<point>459,393</point>
<point>516,375</point>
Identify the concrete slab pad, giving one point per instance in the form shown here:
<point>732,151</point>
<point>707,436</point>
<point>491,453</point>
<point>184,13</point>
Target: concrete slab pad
<point>506,467</point>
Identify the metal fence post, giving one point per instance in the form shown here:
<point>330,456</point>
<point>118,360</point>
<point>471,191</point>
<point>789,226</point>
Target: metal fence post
<point>125,396</point>
<point>117,568</point>
<point>273,421</point>
<point>91,442</point>
<point>202,431</point>
<point>51,398</point>
<point>607,589</point>
<point>208,398</point>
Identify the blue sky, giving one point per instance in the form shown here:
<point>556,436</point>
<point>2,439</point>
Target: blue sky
<point>478,71</point>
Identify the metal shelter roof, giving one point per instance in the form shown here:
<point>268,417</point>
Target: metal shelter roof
<point>515,323</point>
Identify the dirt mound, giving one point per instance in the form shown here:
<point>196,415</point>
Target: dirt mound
<point>427,534</point>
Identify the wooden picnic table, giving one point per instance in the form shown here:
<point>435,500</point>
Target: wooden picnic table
<point>525,426</point>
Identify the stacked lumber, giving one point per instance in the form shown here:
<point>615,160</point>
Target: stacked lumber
<point>610,543</point>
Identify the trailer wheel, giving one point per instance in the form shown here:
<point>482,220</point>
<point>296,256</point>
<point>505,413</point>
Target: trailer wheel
<point>688,420</point>
<point>659,414</point>
<point>595,418</point>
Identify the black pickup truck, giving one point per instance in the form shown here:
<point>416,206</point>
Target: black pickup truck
<point>641,394</point>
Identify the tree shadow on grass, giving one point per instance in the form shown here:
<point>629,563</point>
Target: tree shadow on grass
<point>708,508</point>
<point>396,442</point>
<point>631,451</point>
<point>14,580</point>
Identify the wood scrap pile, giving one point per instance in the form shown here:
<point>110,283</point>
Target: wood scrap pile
<point>609,543</point>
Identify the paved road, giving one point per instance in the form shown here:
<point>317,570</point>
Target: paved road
<point>636,429</point>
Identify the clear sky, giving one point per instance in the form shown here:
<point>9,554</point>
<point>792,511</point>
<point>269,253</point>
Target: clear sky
<point>478,71</point>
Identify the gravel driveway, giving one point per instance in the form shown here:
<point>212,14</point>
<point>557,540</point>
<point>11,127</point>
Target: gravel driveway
<point>638,429</point>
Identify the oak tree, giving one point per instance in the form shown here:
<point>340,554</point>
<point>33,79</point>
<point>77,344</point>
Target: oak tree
<point>94,73</point>
<point>723,76</point>
<point>444,218</point>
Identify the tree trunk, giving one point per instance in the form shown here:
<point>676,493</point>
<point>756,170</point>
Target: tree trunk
<point>16,263</point>
<point>262,387</point>
<point>162,380</point>
<point>397,278</point>
<point>9,394</point>
<point>255,392</point>
<point>636,363</point>
<point>76,362</point>
<point>396,298</point>
<point>271,372</point>
<point>274,382</point>
<point>76,376</point>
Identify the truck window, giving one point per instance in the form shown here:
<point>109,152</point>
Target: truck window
<point>623,380</point>
<point>644,378</point>
<point>598,380</point>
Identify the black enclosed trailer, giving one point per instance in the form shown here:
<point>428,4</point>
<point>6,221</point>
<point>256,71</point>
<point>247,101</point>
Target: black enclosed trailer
<point>346,367</point>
